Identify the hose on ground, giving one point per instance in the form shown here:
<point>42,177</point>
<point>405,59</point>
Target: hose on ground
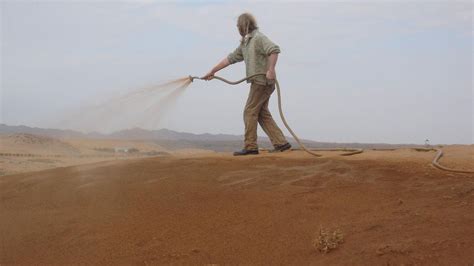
<point>435,163</point>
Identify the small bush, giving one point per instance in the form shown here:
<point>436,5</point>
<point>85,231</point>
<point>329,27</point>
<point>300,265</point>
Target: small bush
<point>326,241</point>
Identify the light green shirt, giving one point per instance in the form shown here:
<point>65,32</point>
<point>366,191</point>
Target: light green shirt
<point>254,50</point>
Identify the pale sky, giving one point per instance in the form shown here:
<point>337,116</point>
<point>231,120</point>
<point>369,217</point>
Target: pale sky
<point>372,71</point>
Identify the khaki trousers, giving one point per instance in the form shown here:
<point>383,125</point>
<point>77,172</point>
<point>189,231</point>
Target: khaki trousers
<point>256,111</point>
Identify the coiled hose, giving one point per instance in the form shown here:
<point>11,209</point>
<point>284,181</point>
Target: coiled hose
<point>435,161</point>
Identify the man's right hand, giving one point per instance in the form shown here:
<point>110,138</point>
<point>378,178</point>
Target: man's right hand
<point>222,64</point>
<point>208,76</point>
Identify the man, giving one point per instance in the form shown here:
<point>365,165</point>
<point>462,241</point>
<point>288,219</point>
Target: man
<point>260,56</point>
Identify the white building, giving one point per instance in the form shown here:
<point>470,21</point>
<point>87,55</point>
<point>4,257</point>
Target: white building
<point>121,149</point>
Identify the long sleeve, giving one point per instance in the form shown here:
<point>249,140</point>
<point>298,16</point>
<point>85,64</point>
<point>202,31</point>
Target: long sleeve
<point>268,46</point>
<point>236,56</point>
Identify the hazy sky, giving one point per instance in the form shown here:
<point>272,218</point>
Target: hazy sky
<point>395,72</point>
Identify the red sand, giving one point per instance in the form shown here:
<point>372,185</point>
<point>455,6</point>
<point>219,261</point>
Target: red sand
<point>391,206</point>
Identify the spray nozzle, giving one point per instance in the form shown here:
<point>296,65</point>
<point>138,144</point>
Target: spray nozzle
<point>191,78</point>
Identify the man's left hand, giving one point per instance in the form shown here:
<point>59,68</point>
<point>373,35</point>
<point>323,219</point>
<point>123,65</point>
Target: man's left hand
<point>271,75</point>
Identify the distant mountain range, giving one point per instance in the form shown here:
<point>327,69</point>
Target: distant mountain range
<point>131,134</point>
<point>175,140</point>
<point>128,134</point>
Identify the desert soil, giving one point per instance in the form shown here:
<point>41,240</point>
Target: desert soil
<point>392,207</point>
<point>20,153</point>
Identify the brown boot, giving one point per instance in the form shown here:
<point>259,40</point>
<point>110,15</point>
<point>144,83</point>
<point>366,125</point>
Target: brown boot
<point>246,152</point>
<point>280,148</point>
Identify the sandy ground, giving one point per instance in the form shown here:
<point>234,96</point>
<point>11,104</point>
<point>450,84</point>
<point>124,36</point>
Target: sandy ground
<point>15,165</point>
<point>391,206</point>
<point>20,153</point>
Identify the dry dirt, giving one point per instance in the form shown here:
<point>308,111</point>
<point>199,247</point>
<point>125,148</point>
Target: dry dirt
<point>22,152</point>
<point>392,207</point>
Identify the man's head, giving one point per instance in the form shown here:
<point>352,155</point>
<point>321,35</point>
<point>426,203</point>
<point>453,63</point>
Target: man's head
<point>246,23</point>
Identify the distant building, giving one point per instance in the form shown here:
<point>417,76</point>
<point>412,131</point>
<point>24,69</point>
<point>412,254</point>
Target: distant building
<point>122,149</point>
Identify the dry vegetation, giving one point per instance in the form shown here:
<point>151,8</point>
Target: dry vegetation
<point>327,240</point>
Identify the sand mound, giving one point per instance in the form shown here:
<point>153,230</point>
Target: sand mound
<point>24,138</point>
<point>390,207</point>
<point>34,144</point>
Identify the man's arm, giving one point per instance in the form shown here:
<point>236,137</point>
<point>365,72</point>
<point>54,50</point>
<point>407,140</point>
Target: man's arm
<point>271,50</point>
<point>232,58</point>
<point>222,64</point>
<point>272,60</point>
